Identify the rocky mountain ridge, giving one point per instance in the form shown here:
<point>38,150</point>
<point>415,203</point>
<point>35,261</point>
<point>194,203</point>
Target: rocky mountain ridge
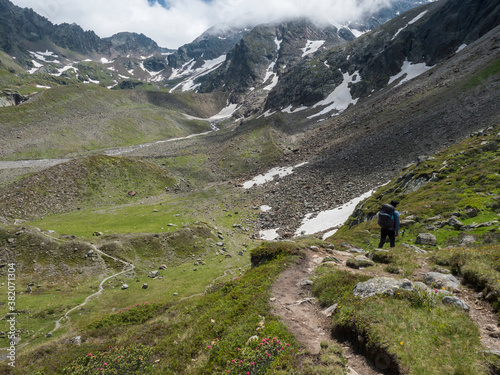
<point>128,60</point>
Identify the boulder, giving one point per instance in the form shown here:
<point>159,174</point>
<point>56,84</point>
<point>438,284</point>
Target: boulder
<point>360,262</point>
<point>467,240</point>
<point>416,249</point>
<point>455,223</point>
<point>125,286</point>
<point>426,239</point>
<point>381,256</point>
<point>154,274</point>
<point>440,280</point>
<point>381,285</point>
<point>452,300</point>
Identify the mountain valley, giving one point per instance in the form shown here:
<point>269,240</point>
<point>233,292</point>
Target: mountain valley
<point>190,175</point>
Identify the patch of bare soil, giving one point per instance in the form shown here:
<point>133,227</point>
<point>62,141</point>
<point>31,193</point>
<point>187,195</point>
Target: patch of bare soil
<point>293,302</point>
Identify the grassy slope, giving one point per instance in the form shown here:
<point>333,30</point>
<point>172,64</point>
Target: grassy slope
<point>415,331</point>
<point>421,335</point>
<point>77,118</point>
<point>84,183</point>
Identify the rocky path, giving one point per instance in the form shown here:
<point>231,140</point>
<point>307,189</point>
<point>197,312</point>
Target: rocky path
<point>293,302</point>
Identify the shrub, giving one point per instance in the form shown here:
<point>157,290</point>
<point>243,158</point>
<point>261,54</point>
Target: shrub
<point>257,357</point>
<point>268,251</point>
<point>119,361</point>
<point>136,314</point>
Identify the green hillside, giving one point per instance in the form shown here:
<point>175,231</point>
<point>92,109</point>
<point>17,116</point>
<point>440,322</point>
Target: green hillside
<point>411,332</point>
<point>75,119</point>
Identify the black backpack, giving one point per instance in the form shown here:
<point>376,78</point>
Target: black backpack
<point>386,216</point>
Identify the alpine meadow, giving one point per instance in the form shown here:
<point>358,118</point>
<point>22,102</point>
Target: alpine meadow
<point>214,208</point>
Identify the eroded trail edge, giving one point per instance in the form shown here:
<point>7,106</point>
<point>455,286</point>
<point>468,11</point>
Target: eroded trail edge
<point>292,300</point>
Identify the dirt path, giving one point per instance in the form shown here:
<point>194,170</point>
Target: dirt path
<point>293,302</point>
<point>126,268</point>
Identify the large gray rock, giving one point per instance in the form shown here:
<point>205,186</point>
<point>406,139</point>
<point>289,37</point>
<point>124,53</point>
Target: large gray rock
<point>440,280</point>
<point>416,249</point>
<point>360,262</point>
<point>381,285</point>
<point>154,274</point>
<point>426,239</point>
<point>455,223</point>
<point>452,300</point>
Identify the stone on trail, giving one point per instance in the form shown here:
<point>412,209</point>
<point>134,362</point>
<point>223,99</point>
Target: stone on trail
<point>441,281</point>
<point>452,300</point>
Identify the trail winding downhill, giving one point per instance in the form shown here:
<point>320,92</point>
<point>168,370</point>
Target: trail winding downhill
<point>130,267</point>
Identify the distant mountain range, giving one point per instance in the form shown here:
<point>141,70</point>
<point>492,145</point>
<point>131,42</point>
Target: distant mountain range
<point>288,66</point>
<point>66,50</point>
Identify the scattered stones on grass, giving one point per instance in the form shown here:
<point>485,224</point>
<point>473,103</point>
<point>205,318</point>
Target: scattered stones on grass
<point>154,274</point>
<point>426,239</point>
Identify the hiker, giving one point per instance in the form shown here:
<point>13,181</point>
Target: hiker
<point>388,219</point>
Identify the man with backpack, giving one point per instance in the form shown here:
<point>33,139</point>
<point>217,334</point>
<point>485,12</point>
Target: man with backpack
<point>388,219</point>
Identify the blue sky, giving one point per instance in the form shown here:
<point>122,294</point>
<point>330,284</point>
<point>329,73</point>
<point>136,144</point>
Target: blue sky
<point>172,23</point>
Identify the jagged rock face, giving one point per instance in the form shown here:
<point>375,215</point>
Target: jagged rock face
<point>22,27</point>
<point>73,37</point>
<point>280,44</point>
<point>424,35</point>
<point>122,44</point>
<point>215,42</point>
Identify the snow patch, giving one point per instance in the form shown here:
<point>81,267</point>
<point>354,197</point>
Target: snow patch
<point>409,71</point>
<point>461,48</point>
<point>207,67</point>
<point>311,47</point>
<point>42,56</point>
<point>267,113</point>
<point>265,208</point>
<point>269,176</point>
<point>290,109</point>
<point>409,23</point>
<point>340,98</point>
<point>330,219</point>
<point>269,234</point>
<point>226,112</point>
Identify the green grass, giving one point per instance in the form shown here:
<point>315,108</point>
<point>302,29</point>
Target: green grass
<point>99,119</point>
<point>421,336</point>
<point>439,340</point>
<point>166,213</point>
<point>417,334</point>
<point>199,335</point>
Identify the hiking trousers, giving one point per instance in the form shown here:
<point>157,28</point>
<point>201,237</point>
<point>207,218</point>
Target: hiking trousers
<point>384,233</point>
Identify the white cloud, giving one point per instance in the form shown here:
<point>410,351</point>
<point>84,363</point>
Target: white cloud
<point>184,20</point>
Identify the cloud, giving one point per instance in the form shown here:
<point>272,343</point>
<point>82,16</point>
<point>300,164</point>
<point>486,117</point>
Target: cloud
<point>172,23</point>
